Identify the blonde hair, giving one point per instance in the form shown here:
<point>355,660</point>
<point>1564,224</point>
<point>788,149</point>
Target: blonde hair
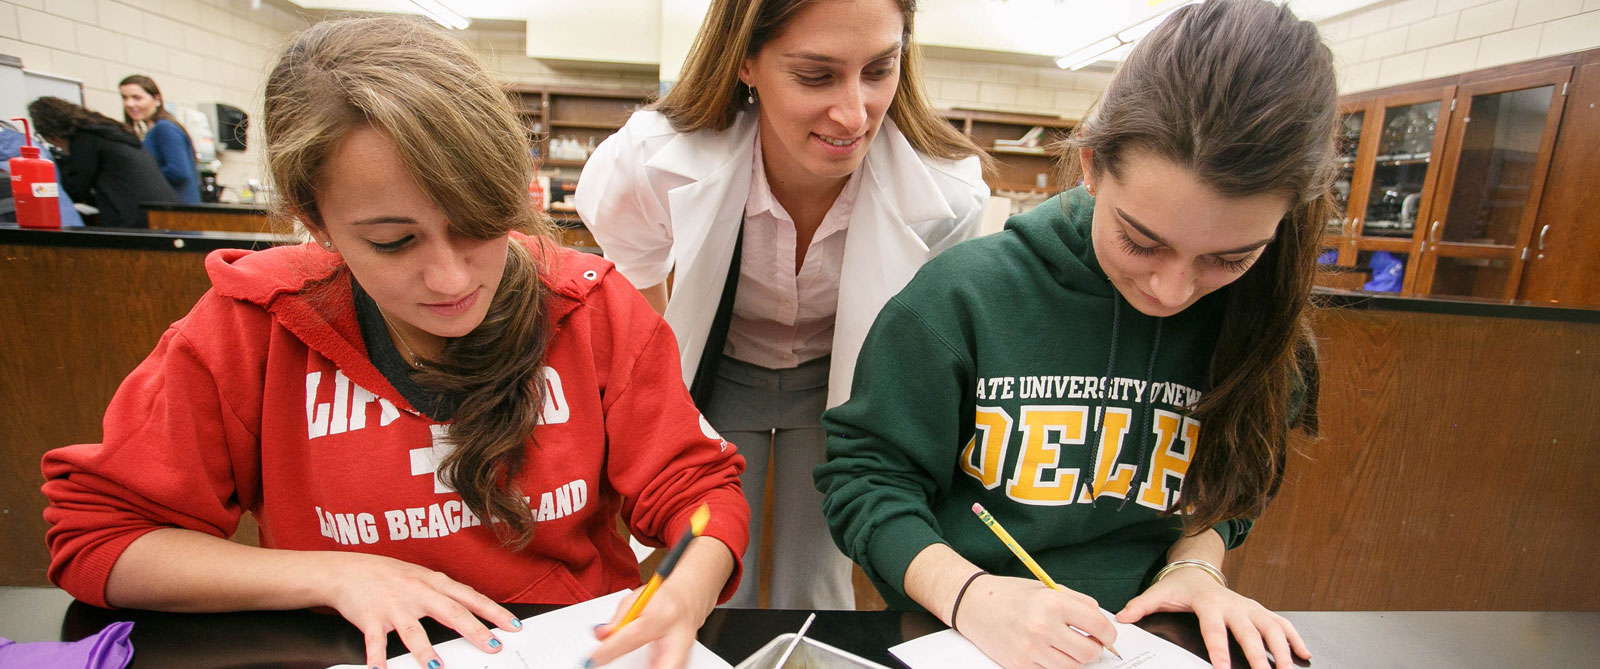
<point>458,136</point>
<point>709,94</point>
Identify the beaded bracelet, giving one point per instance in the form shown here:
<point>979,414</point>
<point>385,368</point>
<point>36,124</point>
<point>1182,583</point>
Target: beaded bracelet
<point>1202,565</point>
<point>963,593</point>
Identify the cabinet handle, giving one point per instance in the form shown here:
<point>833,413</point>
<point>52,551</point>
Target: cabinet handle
<point>1542,232</point>
<point>1433,235</point>
<point>1355,226</point>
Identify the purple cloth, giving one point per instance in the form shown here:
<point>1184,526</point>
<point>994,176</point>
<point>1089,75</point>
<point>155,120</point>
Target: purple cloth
<point>107,649</point>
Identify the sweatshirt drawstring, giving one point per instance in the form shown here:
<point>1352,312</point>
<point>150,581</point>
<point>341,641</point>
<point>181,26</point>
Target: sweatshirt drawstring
<point>1100,413</point>
<point>1146,407</point>
<point>1134,420</point>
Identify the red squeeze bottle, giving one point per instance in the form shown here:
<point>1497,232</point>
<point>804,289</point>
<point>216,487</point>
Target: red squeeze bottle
<point>34,187</point>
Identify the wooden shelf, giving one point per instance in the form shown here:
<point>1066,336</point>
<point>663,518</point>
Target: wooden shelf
<point>1390,244</point>
<point>561,162</point>
<point>1038,151</point>
<point>1008,119</point>
<point>588,125</point>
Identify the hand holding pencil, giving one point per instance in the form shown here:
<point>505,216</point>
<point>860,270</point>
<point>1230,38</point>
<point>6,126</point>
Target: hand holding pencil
<point>1033,566</point>
<point>667,614</point>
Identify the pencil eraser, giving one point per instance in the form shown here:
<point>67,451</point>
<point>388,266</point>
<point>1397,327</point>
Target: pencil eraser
<point>977,508</point>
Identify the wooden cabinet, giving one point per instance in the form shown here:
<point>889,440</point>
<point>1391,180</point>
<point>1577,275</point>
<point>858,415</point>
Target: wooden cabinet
<point>581,117</point>
<point>1563,262</point>
<point>1451,187</point>
<point>1386,180</point>
<point>1018,169</point>
<point>584,115</point>
<point>1502,134</point>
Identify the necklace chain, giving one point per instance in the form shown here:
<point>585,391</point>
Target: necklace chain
<point>411,356</point>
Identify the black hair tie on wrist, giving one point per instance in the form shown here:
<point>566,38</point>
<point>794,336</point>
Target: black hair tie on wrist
<point>963,593</point>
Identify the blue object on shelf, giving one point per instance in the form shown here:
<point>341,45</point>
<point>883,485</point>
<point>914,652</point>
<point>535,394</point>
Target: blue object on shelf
<point>1388,272</point>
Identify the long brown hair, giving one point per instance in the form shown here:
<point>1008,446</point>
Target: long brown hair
<point>55,118</point>
<point>459,138</point>
<point>709,94</point>
<point>154,91</point>
<point>1242,93</point>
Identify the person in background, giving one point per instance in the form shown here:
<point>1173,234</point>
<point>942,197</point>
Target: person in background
<point>102,162</point>
<point>164,137</point>
<point>792,180</point>
<point>11,143</point>
<point>431,410</point>
<point>1115,376</point>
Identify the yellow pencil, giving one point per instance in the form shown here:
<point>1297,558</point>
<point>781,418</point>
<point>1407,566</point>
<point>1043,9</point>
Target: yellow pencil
<point>1027,560</point>
<point>697,524</point>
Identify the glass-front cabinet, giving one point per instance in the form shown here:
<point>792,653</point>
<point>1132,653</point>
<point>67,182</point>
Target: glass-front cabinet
<point>1440,187</point>
<point>1501,137</point>
<point>1387,173</point>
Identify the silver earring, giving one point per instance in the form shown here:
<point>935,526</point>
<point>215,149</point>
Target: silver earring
<point>751,98</point>
<point>327,245</point>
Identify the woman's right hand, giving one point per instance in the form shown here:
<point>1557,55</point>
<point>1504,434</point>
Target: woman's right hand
<point>1021,624</point>
<point>378,594</point>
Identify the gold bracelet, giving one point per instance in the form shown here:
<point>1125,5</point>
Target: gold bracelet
<point>1202,565</point>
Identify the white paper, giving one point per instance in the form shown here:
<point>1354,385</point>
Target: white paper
<point>950,650</point>
<point>560,639</point>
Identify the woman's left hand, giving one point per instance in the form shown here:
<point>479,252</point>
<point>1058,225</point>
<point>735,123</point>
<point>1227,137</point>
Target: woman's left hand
<point>670,620</point>
<point>1221,610</point>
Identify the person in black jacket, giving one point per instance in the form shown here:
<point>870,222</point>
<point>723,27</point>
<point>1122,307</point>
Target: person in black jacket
<point>104,162</point>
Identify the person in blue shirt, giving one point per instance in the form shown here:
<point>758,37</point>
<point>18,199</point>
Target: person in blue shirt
<point>144,111</point>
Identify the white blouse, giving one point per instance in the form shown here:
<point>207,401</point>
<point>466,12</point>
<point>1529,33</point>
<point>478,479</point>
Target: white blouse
<point>782,318</point>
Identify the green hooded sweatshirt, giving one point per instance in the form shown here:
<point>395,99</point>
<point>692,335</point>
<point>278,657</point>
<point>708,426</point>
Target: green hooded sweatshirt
<point>983,382</point>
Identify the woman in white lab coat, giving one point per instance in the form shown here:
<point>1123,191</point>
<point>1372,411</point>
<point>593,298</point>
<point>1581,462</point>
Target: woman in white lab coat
<point>798,141</point>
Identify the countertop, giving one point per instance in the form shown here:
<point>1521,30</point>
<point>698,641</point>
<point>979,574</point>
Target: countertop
<point>302,639</point>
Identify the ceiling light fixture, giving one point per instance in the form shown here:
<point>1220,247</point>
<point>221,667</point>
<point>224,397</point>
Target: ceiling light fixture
<point>434,9</point>
<point>1122,39</point>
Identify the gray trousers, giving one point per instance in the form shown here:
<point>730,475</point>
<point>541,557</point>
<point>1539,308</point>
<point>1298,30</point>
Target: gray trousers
<point>775,416</point>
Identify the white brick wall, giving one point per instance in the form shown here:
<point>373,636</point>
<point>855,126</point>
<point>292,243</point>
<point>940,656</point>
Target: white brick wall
<point>1048,90</point>
<point>213,51</point>
<point>1410,40</point>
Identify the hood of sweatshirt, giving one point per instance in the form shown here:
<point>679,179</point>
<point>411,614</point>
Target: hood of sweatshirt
<point>1058,233</point>
<point>112,133</point>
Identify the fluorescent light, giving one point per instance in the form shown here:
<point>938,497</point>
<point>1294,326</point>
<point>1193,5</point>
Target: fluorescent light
<point>1138,30</point>
<point>444,16</point>
<point>1117,43</point>
<point>1088,55</point>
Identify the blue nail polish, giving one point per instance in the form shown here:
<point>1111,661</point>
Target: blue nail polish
<point>494,643</point>
<point>433,664</point>
<point>588,664</point>
<point>516,624</point>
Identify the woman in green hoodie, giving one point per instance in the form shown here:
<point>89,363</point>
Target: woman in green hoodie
<point>1114,377</point>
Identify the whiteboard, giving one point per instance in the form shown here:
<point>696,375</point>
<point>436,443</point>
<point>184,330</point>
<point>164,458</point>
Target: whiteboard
<point>39,84</point>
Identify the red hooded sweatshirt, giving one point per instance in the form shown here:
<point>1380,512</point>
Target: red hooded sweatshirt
<point>263,399</point>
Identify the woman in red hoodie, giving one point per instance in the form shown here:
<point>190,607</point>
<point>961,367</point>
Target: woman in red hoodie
<point>429,410</point>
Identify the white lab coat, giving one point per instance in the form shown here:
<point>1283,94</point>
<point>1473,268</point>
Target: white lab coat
<point>656,199</point>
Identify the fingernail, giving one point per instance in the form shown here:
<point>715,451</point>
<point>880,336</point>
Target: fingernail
<point>516,623</point>
<point>433,664</point>
<point>597,627</point>
<point>588,664</point>
<point>494,643</point>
